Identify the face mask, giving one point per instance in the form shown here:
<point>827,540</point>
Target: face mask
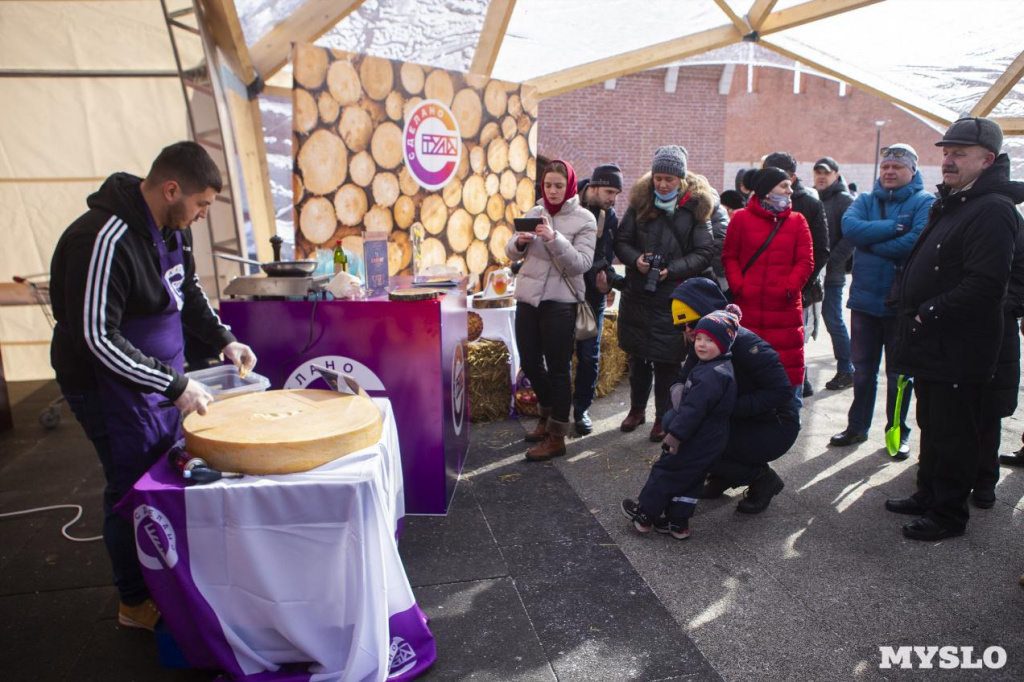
<point>667,197</point>
<point>779,202</point>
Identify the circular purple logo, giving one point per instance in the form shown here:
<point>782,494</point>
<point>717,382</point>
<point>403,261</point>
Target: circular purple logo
<point>432,144</point>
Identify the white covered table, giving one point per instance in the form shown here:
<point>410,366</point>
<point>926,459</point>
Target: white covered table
<point>291,577</point>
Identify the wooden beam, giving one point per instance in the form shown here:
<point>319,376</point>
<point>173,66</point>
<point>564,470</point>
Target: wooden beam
<point>277,91</point>
<point>1011,126</point>
<point>499,12</point>
<point>252,158</point>
<point>807,12</point>
<point>759,11</point>
<point>917,109</point>
<point>225,30</point>
<point>1000,88</point>
<point>632,62</point>
<point>740,25</point>
<point>307,23</point>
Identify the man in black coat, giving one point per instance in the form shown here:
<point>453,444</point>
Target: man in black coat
<point>836,199</point>
<point>807,204</point>
<point>597,195</point>
<point>950,322</point>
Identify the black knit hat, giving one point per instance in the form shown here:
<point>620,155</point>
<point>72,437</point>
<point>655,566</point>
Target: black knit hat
<point>701,294</point>
<point>607,175</point>
<point>732,199</point>
<point>766,179</point>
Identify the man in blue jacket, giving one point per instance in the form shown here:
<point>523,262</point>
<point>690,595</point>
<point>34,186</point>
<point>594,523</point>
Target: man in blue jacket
<point>883,226</point>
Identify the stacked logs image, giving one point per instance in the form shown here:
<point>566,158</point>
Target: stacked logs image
<point>349,174</point>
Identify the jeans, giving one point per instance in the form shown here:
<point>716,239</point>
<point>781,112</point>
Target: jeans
<point>832,311</point>
<point>544,335</point>
<point>588,357</point>
<point>118,532</point>
<point>869,336</point>
<point>642,373</point>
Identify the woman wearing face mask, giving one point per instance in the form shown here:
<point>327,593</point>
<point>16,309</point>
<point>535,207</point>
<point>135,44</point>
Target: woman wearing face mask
<point>768,256</point>
<point>562,248</point>
<point>667,226</point>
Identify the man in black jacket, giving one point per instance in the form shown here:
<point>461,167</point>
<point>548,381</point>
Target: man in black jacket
<point>123,287</point>
<point>806,203</point>
<point>950,321</point>
<point>836,199</point>
<point>597,195</point>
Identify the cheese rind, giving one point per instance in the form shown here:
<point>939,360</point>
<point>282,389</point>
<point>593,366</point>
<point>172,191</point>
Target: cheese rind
<point>282,432</point>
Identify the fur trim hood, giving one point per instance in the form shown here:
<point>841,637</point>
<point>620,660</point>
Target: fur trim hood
<point>701,202</point>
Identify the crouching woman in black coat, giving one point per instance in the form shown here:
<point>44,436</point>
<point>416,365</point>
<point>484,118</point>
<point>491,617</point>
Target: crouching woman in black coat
<point>766,419</point>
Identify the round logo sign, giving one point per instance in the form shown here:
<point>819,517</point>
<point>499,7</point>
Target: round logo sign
<point>155,539</point>
<point>432,144</point>
<point>458,389</point>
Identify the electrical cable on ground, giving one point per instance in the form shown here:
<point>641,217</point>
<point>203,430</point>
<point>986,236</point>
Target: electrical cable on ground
<point>64,528</point>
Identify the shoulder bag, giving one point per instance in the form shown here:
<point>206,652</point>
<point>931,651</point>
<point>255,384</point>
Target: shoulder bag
<point>586,323</point>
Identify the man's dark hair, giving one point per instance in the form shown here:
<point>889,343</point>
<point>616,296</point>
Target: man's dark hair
<point>188,164</point>
<point>780,160</point>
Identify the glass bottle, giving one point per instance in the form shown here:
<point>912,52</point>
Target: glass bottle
<point>340,259</point>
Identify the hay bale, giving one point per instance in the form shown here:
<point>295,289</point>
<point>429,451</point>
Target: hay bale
<point>611,365</point>
<point>489,384</point>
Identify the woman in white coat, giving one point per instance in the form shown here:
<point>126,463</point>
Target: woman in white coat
<point>555,256</point>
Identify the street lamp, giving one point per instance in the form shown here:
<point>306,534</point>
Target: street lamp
<point>878,148</point>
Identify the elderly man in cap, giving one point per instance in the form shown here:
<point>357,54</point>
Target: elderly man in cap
<point>836,199</point>
<point>950,321</point>
<point>883,225</point>
<point>598,194</point>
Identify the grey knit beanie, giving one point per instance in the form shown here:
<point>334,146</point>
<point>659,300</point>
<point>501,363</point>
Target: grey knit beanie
<point>670,160</point>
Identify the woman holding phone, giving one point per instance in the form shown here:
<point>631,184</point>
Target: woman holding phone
<point>555,255</point>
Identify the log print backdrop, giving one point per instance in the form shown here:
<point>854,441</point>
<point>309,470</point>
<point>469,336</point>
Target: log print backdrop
<point>350,176</point>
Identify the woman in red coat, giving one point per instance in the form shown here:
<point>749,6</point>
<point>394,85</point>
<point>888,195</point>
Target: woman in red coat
<point>767,286</point>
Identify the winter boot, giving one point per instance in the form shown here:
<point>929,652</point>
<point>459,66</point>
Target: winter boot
<point>553,444</point>
<point>537,435</point>
<point>657,433</point>
<point>634,419</point>
<point>760,493</point>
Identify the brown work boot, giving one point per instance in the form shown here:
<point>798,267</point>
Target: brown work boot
<point>541,430</point>
<point>634,419</point>
<point>657,433</point>
<point>143,616</point>
<point>553,444</point>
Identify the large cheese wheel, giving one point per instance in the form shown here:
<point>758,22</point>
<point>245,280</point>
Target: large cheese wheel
<point>282,432</point>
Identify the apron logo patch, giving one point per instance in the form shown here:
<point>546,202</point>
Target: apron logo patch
<point>155,538</point>
<point>401,657</point>
<point>458,389</point>
<point>175,277</point>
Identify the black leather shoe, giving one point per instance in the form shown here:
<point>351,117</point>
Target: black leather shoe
<point>1014,460</point>
<point>840,381</point>
<point>808,389</point>
<point>847,437</point>
<point>903,451</point>
<point>984,499</point>
<point>927,530</point>
<point>583,423</point>
<point>907,505</point>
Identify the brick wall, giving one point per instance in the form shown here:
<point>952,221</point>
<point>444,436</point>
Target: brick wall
<point>626,125</point>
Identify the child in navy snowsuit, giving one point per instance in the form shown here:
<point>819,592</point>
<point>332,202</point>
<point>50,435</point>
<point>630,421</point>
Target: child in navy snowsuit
<point>697,429</point>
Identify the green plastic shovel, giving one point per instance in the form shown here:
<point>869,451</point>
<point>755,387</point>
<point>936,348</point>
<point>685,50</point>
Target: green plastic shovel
<point>892,436</point>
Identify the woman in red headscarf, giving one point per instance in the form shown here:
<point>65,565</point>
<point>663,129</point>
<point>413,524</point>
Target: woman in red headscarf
<point>548,287</point>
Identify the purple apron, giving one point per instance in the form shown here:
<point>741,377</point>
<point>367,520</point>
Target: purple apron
<point>140,430</point>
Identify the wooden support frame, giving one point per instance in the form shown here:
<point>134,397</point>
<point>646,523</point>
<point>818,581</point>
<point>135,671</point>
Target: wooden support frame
<point>499,13</point>
<point>224,28</point>
<point>307,23</point>
<point>251,148</point>
<point>1011,125</point>
<point>740,24</point>
<point>759,11</point>
<point>1000,88</point>
<point>909,106</point>
<point>687,46</point>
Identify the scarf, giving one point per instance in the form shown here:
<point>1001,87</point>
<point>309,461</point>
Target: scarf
<point>668,203</point>
<point>570,188</point>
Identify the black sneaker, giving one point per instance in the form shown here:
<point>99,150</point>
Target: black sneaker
<point>760,493</point>
<point>583,423</point>
<point>642,521</point>
<point>808,389</point>
<point>679,528</point>
<point>840,381</point>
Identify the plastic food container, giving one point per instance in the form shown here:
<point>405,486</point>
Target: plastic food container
<point>223,381</point>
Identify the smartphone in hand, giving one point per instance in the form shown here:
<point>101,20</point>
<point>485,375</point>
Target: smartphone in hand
<point>527,224</point>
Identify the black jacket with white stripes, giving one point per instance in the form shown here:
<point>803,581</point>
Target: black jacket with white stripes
<point>106,269</point>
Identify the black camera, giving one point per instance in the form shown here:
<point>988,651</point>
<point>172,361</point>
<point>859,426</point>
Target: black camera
<point>655,260</point>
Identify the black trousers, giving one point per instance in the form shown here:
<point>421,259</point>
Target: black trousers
<point>663,374</point>
<point>988,463</point>
<point>952,421</point>
<point>545,335</point>
<point>674,483</point>
<point>752,444</point>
